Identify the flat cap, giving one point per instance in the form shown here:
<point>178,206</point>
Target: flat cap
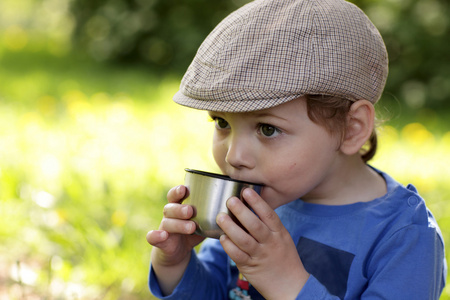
<point>269,52</point>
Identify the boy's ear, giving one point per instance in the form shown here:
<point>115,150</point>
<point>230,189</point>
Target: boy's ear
<point>360,124</point>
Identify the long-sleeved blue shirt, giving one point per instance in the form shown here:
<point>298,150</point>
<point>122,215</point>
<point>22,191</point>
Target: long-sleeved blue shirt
<point>388,248</point>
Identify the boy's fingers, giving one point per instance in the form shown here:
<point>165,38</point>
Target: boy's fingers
<point>265,214</point>
<point>262,209</point>
<point>235,253</point>
<point>226,224</point>
<point>176,194</point>
<point>249,220</point>
<point>236,242</point>
<point>154,237</point>
<point>177,226</point>
<point>178,211</point>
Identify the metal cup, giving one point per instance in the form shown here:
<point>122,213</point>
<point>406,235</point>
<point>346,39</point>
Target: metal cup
<point>208,194</point>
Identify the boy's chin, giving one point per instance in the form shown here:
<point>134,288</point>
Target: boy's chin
<point>274,200</point>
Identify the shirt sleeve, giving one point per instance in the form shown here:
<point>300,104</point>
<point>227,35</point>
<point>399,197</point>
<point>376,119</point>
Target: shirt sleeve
<point>314,290</point>
<point>409,265</point>
<point>206,274</point>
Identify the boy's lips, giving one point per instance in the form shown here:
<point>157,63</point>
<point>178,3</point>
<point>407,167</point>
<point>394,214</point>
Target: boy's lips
<point>246,179</point>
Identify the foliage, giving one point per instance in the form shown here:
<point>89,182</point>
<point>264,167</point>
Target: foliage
<point>159,32</point>
<point>416,34</point>
<point>168,33</point>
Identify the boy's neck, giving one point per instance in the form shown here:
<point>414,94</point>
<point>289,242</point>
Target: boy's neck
<point>353,181</point>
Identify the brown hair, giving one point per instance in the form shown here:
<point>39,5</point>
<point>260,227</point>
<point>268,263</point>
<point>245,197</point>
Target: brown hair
<point>331,112</point>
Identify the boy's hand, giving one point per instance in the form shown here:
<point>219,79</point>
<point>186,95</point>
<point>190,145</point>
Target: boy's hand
<point>173,241</point>
<point>266,255</point>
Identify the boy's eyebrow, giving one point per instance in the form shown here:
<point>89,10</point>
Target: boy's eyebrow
<point>213,113</point>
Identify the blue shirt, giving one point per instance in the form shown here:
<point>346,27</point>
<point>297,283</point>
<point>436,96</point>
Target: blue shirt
<point>388,248</point>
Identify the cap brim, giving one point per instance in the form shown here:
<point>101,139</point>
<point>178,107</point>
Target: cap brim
<point>234,106</point>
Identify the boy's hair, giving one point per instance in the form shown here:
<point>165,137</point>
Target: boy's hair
<point>331,113</point>
<point>270,52</point>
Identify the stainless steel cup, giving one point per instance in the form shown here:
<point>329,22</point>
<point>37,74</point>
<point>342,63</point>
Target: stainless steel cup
<point>208,194</point>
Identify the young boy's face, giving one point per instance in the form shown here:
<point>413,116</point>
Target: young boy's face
<point>279,147</point>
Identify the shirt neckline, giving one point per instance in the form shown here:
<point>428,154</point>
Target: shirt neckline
<point>323,210</point>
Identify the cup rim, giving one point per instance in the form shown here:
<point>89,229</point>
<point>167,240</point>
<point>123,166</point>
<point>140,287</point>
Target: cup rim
<point>219,176</point>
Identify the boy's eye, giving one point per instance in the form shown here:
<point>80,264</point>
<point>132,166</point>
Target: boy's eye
<point>221,123</point>
<point>268,130</point>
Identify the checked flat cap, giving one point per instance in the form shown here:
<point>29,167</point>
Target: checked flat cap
<point>269,52</point>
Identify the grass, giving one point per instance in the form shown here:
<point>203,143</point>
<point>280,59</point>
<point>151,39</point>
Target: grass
<point>87,154</point>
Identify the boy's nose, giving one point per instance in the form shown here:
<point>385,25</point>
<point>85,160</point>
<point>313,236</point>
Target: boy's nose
<point>239,154</point>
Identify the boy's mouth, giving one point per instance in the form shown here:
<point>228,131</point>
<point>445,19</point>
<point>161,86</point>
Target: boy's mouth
<point>246,179</point>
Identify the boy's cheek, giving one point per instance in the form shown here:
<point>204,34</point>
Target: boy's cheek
<point>219,151</point>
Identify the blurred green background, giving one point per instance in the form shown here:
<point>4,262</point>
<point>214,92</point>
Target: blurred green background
<point>90,140</point>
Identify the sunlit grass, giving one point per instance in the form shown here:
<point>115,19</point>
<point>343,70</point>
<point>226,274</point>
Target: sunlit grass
<point>87,155</point>
<point>79,190</point>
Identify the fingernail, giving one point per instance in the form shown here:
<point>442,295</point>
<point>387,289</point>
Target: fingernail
<point>232,202</point>
<point>247,192</point>
<point>185,211</point>
<point>164,235</point>
<point>189,227</point>
<point>179,189</point>
<point>222,237</point>
<point>220,218</point>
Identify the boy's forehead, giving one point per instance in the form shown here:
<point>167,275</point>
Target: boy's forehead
<point>270,51</point>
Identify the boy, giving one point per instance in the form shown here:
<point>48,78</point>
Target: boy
<point>290,85</point>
